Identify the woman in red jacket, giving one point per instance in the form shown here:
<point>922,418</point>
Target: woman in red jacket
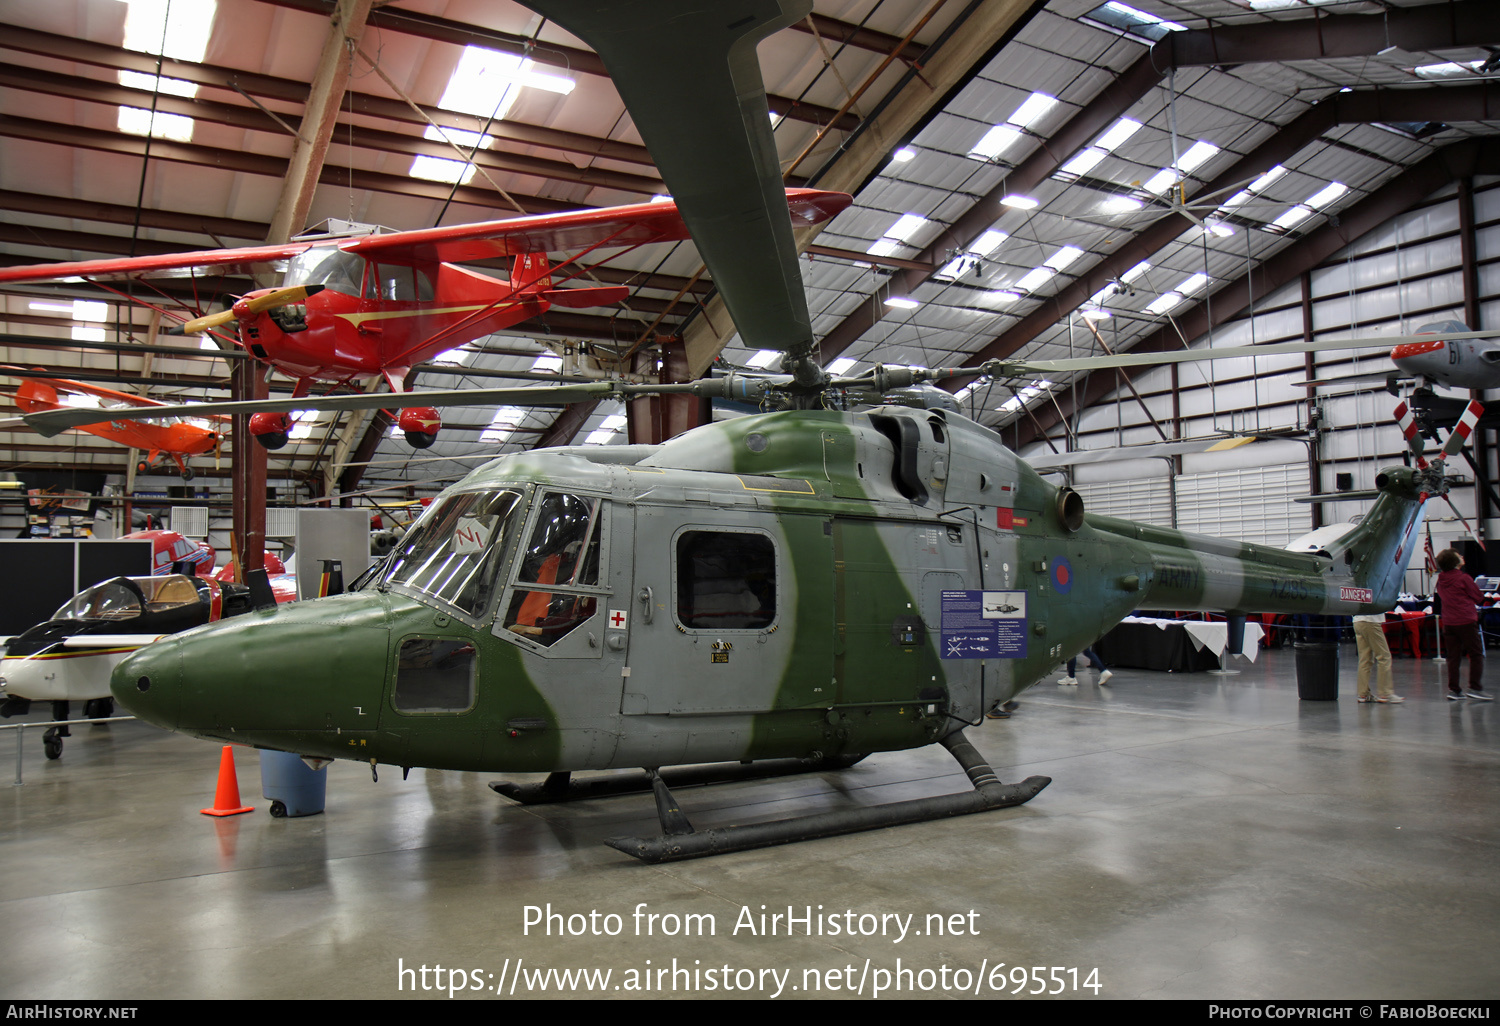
<point>1459,599</point>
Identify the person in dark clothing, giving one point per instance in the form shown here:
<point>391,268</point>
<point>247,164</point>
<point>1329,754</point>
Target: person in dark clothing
<point>1458,597</point>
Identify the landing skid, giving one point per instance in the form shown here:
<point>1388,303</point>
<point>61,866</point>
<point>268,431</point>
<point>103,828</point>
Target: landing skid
<point>680,841</point>
<point>560,787</point>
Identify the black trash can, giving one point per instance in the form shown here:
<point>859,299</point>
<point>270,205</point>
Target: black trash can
<point>1318,671</point>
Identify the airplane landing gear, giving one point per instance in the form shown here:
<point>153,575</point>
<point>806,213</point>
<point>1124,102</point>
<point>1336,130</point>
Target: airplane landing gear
<point>52,744</point>
<point>420,425</point>
<point>271,430</point>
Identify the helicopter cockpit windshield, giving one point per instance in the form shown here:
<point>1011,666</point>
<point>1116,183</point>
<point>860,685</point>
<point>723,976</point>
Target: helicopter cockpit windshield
<point>126,598</point>
<point>452,554</point>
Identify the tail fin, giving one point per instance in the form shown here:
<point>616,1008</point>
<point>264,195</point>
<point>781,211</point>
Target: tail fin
<point>531,272</point>
<point>1378,550</point>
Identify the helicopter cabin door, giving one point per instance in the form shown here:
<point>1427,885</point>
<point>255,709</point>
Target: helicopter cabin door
<point>731,612</point>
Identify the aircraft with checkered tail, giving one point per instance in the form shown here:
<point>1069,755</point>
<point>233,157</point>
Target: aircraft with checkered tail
<point>790,591</point>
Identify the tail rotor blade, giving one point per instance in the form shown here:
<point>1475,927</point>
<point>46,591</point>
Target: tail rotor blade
<point>1463,429</point>
<point>1408,425</point>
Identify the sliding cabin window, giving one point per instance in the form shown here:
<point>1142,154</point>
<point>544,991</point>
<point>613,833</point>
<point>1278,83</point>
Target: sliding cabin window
<point>556,569</point>
<point>726,580</point>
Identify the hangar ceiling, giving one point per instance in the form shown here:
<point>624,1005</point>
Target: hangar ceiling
<point>1016,189</point>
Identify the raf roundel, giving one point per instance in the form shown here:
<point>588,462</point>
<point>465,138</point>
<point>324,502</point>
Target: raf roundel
<point>1062,575</point>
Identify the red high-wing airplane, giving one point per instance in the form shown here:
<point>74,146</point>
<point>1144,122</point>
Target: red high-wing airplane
<point>168,435</point>
<point>363,308</point>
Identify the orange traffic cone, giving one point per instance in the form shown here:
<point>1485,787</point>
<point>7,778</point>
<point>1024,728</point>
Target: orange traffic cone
<point>227,794</point>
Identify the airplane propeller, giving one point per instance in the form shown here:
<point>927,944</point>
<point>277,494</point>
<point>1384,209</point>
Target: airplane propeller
<point>245,307</point>
<point>1433,481</point>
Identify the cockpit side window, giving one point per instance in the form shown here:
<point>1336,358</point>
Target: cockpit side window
<point>559,561</point>
<point>119,599</point>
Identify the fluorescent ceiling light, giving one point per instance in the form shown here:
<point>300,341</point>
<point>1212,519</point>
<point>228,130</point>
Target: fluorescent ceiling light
<point>1327,195</point>
<point>1083,162</point>
<point>1020,202</point>
<point>763,358</point>
<point>1118,134</point>
<point>66,308</point>
<point>902,303</point>
<point>1032,109</point>
<point>904,154</point>
<point>995,142</point>
<point>1164,303</point>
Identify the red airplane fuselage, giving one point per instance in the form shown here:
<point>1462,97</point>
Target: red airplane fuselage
<point>374,320</point>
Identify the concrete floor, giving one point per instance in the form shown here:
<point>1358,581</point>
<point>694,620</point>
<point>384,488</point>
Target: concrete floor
<point>1204,837</point>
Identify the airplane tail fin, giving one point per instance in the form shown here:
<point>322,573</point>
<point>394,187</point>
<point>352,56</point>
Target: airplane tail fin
<point>1379,548</point>
<point>531,273</point>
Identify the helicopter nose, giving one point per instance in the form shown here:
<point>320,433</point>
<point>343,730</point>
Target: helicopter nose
<point>148,682</point>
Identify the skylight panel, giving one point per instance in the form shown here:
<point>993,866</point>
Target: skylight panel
<point>441,169</point>
<point>995,142</point>
<point>1197,155</point>
<point>904,154</point>
<point>1192,284</point>
<point>1327,195</point>
<point>1035,279</point>
<point>302,425</point>
<point>1083,162</point>
<point>459,137</point>
<point>1025,396</point>
<point>902,303</point>
<point>547,363</point>
<point>606,431</point>
<point>764,358</point>
<point>841,366</point>
<point>1135,272</point>
<point>1063,258</point>
<point>1032,110</point>
<point>1128,19</point>
<point>1121,205</point>
<point>179,30</point>
<point>1000,138</point>
<point>1019,202</point>
<point>987,242</point>
<point>1163,303</point>
<point>505,421</point>
<point>1161,181</point>
<point>81,334</point>
<point>895,237</point>
<point>1121,131</point>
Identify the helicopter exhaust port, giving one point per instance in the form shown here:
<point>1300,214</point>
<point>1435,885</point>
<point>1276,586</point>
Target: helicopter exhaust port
<point>679,840</point>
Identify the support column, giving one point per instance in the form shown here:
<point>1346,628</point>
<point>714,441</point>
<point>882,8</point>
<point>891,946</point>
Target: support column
<point>249,478</point>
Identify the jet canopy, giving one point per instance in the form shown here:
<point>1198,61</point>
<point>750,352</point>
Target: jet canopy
<point>126,598</point>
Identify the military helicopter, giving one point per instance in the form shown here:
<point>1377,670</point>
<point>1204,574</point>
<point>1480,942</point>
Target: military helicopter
<point>793,590</point>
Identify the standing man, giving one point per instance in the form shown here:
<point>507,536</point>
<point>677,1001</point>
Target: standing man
<point>1459,600</point>
<point>1369,639</point>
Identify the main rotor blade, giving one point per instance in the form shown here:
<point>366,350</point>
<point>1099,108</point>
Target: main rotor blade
<point>731,386</point>
<point>1034,368</point>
